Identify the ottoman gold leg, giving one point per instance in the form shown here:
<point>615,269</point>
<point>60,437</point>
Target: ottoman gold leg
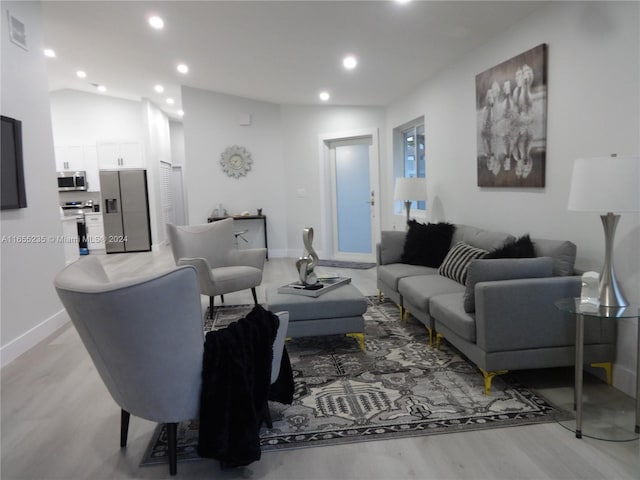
<point>380,296</point>
<point>430,330</point>
<point>359,337</point>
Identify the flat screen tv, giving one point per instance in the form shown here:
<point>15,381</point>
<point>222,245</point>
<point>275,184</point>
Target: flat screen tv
<point>13,192</point>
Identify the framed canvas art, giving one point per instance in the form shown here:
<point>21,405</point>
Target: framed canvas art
<point>511,110</point>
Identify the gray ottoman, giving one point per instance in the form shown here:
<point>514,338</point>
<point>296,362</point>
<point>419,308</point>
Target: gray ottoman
<point>336,312</point>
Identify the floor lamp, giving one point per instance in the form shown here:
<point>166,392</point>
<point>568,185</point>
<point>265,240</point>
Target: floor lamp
<point>610,186</point>
<point>410,189</point>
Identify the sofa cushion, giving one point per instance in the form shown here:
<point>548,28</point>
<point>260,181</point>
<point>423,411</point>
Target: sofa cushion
<point>488,270</point>
<point>417,291</point>
<point>520,248</point>
<point>562,252</point>
<point>455,264</point>
<point>448,309</point>
<point>392,273</point>
<point>480,238</point>
<point>427,244</point>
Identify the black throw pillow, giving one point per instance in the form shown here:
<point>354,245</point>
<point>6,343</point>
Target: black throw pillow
<point>520,248</point>
<point>427,244</point>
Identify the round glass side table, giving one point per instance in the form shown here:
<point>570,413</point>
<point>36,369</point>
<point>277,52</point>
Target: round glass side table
<point>573,306</point>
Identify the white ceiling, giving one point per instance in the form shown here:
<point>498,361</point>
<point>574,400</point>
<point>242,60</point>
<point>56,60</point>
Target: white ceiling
<point>277,51</point>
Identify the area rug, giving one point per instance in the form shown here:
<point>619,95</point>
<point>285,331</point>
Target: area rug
<point>399,387</point>
<point>345,264</point>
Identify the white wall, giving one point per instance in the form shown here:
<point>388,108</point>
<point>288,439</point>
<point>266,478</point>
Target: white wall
<point>157,147</point>
<point>176,132</point>
<point>211,124</point>
<point>593,110</point>
<point>302,127</point>
<point>30,307</point>
<point>283,141</point>
<point>90,118</point>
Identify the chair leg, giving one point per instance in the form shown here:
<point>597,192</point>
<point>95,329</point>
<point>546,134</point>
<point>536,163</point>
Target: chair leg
<point>255,297</point>
<point>124,427</point>
<point>211,306</point>
<point>172,440</point>
<point>221,298</point>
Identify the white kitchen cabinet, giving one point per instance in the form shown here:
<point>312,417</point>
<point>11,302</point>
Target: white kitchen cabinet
<point>75,158</point>
<point>117,155</point>
<point>69,158</point>
<point>95,231</point>
<point>70,239</point>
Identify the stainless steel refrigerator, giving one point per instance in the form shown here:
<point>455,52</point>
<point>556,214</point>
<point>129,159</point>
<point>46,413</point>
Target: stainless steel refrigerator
<point>125,210</point>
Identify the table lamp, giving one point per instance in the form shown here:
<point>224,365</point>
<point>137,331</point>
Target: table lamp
<point>609,185</point>
<point>410,189</point>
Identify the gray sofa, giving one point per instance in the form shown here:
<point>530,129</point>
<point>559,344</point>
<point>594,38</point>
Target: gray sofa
<point>503,318</point>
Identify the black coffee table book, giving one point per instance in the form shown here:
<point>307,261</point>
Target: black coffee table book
<point>324,285</point>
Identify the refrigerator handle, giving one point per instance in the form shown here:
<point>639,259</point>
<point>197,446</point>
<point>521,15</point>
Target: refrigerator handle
<point>111,205</point>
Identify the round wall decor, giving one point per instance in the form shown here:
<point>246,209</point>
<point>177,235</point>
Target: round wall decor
<point>236,161</point>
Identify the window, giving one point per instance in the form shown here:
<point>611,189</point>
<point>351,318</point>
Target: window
<point>409,157</point>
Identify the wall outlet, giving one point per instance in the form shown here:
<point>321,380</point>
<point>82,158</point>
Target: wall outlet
<point>301,193</point>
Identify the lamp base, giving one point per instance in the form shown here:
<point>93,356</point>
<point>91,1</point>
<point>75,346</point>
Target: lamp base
<point>407,205</point>
<point>610,292</point>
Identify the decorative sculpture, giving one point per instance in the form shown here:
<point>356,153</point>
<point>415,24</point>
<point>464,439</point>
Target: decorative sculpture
<point>307,263</point>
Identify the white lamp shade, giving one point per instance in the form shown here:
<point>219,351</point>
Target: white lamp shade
<point>605,184</point>
<point>410,189</point>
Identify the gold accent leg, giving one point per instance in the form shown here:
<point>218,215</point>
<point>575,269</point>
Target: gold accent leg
<point>607,370</point>
<point>488,377</point>
<point>359,337</point>
<point>380,296</point>
<point>439,337</point>
<point>430,330</point>
<point>401,312</point>
<point>405,314</point>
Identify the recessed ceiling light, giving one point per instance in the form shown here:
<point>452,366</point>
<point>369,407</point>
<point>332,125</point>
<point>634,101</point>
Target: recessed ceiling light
<point>170,101</point>
<point>159,88</point>
<point>324,96</point>
<point>181,113</point>
<point>182,68</point>
<point>156,22</point>
<point>403,1</point>
<point>81,74</point>
<point>48,52</point>
<point>349,62</point>
<point>102,88</point>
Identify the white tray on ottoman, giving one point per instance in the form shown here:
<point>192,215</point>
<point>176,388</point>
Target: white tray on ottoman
<point>339,311</point>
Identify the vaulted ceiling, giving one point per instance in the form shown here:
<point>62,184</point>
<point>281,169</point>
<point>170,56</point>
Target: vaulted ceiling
<point>277,51</point>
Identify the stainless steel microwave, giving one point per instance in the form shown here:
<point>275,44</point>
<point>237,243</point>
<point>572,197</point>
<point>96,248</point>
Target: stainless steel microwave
<point>68,181</point>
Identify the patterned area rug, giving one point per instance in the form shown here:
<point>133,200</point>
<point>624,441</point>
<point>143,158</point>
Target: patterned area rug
<point>399,387</point>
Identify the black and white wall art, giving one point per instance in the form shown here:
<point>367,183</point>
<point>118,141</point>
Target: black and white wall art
<point>511,110</point>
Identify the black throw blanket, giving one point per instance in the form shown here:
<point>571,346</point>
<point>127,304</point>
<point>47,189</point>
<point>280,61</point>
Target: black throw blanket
<point>236,377</point>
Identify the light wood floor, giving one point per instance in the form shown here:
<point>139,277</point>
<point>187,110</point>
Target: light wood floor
<point>58,422</point>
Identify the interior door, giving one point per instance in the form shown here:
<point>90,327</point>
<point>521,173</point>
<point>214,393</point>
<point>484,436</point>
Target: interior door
<point>353,198</point>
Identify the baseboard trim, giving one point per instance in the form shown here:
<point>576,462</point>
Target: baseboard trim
<point>29,339</point>
<point>624,379</point>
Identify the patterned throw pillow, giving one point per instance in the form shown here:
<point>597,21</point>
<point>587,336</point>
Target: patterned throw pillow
<point>456,263</point>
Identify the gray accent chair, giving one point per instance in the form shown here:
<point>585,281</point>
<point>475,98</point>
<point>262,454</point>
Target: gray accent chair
<point>221,267</point>
<point>145,337</point>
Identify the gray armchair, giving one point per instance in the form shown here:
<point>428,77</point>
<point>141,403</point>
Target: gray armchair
<point>221,267</point>
<point>145,337</point>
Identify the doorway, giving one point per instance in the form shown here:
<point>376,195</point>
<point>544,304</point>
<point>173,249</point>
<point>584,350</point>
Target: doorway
<point>350,164</point>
